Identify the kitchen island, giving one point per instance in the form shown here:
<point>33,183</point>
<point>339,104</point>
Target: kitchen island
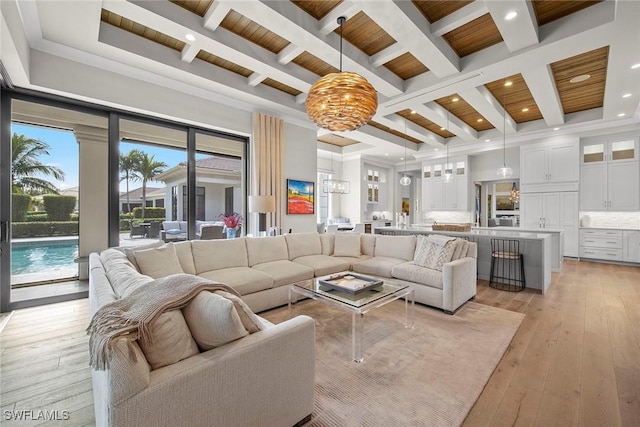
<point>536,248</point>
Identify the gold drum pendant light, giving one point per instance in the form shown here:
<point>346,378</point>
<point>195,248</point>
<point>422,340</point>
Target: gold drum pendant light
<point>341,101</point>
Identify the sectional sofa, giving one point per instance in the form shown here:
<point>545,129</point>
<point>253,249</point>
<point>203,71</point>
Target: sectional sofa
<point>218,384</point>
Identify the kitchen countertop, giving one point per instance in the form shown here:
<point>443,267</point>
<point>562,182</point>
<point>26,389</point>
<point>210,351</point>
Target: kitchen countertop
<point>488,232</point>
<point>611,228</point>
<point>532,230</point>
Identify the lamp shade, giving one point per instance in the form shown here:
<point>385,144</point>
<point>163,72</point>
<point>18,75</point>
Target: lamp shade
<point>262,204</point>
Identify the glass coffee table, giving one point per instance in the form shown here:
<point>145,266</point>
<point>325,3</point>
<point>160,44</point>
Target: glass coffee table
<point>357,304</point>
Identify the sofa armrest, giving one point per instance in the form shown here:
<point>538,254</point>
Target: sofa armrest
<point>459,279</point>
<point>266,378</point>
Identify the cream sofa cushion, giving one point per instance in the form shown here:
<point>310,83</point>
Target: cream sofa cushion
<point>122,275</point>
<point>396,247</point>
<point>414,273</point>
<point>171,340</point>
<point>327,240</point>
<point>323,265</point>
<point>243,280</point>
<point>378,266</point>
<point>266,249</point>
<point>367,244</point>
<point>159,262</point>
<point>131,257</point>
<point>211,255</point>
<point>251,321</point>
<point>303,244</point>
<point>285,272</point>
<point>185,256</point>
<point>347,244</point>
<point>213,320</point>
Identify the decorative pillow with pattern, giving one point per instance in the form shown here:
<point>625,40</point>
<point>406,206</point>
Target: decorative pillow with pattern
<point>433,253</point>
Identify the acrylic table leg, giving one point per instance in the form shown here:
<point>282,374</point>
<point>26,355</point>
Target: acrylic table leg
<point>291,298</point>
<point>357,327</point>
<point>408,309</point>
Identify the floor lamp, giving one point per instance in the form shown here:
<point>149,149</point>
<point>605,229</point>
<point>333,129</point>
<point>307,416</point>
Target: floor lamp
<point>262,205</point>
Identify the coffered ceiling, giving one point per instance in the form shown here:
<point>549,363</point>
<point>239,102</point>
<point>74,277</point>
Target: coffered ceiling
<point>446,71</point>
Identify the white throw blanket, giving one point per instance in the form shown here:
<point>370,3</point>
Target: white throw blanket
<point>131,316</point>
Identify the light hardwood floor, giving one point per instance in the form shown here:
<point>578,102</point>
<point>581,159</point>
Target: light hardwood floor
<point>575,361</point>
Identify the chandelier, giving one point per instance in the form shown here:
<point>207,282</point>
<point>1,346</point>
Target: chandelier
<point>504,171</point>
<point>336,186</point>
<point>515,194</point>
<point>341,101</point>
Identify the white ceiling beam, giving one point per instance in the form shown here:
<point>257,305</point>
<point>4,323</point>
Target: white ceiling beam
<point>289,53</point>
<point>189,52</point>
<point>301,98</point>
<point>483,101</point>
<point>387,54</point>
<point>403,21</point>
<point>330,21</point>
<point>215,14</point>
<point>255,79</point>
<point>292,23</point>
<point>519,32</point>
<point>458,18</point>
<point>543,89</point>
<point>438,115</point>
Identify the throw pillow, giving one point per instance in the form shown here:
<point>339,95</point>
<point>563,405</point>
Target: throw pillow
<point>171,340</point>
<point>158,262</point>
<point>213,321</point>
<point>432,255</point>
<point>347,244</point>
<point>131,257</point>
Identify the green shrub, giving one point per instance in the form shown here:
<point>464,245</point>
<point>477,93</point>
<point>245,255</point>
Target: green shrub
<point>19,206</point>
<point>59,208</point>
<point>149,212</point>
<point>44,229</point>
<point>36,216</point>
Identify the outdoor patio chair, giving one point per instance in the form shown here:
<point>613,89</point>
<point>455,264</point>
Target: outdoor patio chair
<point>153,231</point>
<point>137,230</point>
<point>208,232</point>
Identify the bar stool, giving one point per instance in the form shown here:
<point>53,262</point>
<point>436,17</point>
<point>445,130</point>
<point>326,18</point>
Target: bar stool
<point>505,273</point>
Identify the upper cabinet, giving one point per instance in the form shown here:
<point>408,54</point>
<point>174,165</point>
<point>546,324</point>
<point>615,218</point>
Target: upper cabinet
<point>550,167</point>
<point>438,194</point>
<point>610,173</point>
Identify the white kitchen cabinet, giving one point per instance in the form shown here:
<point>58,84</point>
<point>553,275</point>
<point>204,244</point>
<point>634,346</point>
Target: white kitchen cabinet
<point>601,244</point>
<point>554,210</point>
<point>440,195</point>
<point>544,166</point>
<point>610,173</point>
<point>631,246</point>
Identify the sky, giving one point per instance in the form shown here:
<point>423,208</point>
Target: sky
<point>64,154</point>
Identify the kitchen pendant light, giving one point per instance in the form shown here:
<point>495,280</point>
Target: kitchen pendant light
<point>341,101</point>
<point>405,180</point>
<point>515,194</point>
<point>448,171</point>
<point>336,186</point>
<point>504,172</point>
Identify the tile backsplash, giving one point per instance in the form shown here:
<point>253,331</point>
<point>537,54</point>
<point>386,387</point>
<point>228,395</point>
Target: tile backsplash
<point>447,216</point>
<point>612,219</point>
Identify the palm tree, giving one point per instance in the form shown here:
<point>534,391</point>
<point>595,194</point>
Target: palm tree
<point>26,165</point>
<point>128,164</point>
<point>147,169</point>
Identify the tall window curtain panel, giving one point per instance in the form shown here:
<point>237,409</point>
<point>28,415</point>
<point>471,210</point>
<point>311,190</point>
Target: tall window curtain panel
<point>268,162</point>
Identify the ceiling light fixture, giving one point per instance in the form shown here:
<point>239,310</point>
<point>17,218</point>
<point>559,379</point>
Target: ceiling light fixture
<point>341,101</point>
<point>455,99</point>
<point>479,120</point>
<point>525,109</point>
<point>487,140</point>
<point>190,37</point>
<point>635,66</point>
<point>448,171</point>
<point>621,115</point>
<point>504,171</point>
<point>405,180</point>
<point>556,128</point>
<point>508,83</point>
<point>413,111</point>
<point>336,186</point>
<point>626,95</point>
<point>511,15</point>
<point>515,194</point>
<point>580,78</point>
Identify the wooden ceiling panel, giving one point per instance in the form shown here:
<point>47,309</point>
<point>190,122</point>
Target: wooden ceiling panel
<point>465,112</point>
<point>140,30</point>
<point>223,63</point>
<point>393,132</point>
<point>550,10</point>
<point>435,10</point>
<point>517,97</point>
<point>199,7</point>
<point>314,64</point>
<point>315,8</point>
<point>425,123</point>
<point>362,32</point>
<point>255,33</point>
<point>474,36</point>
<point>281,86</point>
<point>406,66</point>
<point>589,93</point>
<point>337,140</point>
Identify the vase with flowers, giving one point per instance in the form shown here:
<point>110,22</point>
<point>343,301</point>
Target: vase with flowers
<point>232,223</point>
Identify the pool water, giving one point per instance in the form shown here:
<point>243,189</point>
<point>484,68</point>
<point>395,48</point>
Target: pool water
<point>39,257</point>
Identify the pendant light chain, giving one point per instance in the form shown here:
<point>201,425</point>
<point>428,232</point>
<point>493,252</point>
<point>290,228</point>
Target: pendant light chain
<point>341,19</point>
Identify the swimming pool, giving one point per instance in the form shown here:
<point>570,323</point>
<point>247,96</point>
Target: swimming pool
<point>42,256</point>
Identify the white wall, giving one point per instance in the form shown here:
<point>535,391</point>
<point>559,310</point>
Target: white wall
<point>300,162</point>
<point>484,165</point>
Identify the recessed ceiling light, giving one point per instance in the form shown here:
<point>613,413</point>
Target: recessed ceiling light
<point>580,78</point>
<point>436,149</point>
<point>621,115</point>
<point>413,111</point>
<point>386,154</point>
<point>525,109</point>
<point>456,99</point>
<point>509,16</point>
<point>556,128</point>
<point>190,37</point>
<point>508,83</point>
<point>479,120</point>
<point>401,158</point>
<point>441,128</point>
<point>635,66</point>
<point>626,95</point>
<point>487,140</point>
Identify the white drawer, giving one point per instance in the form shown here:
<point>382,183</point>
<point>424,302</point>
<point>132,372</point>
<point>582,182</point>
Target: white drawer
<point>600,233</point>
<point>599,253</point>
<point>601,241</point>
